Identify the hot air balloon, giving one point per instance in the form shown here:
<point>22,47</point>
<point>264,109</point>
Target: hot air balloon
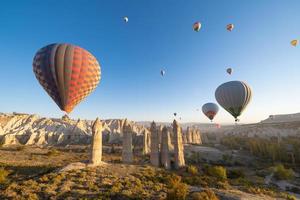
<point>234,96</point>
<point>125,19</point>
<point>67,72</point>
<point>294,42</point>
<point>162,72</point>
<point>175,114</point>
<point>197,26</point>
<point>210,110</point>
<point>229,71</point>
<point>229,27</point>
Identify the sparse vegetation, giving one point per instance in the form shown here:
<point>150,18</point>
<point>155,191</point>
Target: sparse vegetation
<point>53,152</point>
<point>281,173</point>
<point>3,175</point>
<point>38,179</point>
<point>176,189</point>
<point>217,171</point>
<point>286,149</point>
<point>235,173</point>
<point>206,194</point>
<point>193,170</point>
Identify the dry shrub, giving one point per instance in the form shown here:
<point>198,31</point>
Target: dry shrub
<point>3,175</point>
<point>193,170</point>
<point>218,172</point>
<point>206,194</point>
<point>176,189</point>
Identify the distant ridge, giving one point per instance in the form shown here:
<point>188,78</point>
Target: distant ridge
<point>282,118</point>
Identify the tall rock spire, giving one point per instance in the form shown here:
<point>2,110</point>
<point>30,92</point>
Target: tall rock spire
<point>154,154</point>
<point>178,146</point>
<point>165,148</point>
<point>127,156</point>
<point>96,152</point>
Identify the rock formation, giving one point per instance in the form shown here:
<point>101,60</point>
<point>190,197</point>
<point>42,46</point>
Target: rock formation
<point>189,135</point>
<point>146,142</point>
<point>33,130</point>
<point>165,148</point>
<point>96,151</point>
<point>178,146</point>
<point>127,156</point>
<point>154,154</point>
<point>199,141</point>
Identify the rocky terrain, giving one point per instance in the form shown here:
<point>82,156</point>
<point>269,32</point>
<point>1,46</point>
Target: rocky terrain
<point>25,129</point>
<point>34,130</point>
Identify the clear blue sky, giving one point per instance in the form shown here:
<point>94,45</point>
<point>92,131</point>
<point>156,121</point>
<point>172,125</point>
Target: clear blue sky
<point>159,35</point>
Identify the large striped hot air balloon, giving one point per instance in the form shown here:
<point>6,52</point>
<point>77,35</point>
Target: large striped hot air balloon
<point>234,96</point>
<point>67,72</point>
<point>210,110</point>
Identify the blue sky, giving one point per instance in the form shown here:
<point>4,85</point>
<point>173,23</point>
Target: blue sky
<point>159,35</point>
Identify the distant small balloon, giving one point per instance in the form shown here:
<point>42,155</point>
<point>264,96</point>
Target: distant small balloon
<point>175,114</point>
<point>125,19</point>
<point>294,42</point>
<point>162,72</point>
<point>229,27</point>
<point>229,71</point>
<point>197,26</point>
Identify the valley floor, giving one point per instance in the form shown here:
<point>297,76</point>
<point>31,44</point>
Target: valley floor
<point>34,173</point>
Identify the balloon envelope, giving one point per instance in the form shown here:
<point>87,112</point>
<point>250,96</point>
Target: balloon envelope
<point>294,42</point>
<point>210,110</point>
<point>67,72</point>
<point>229,70</point>
<point>162,72</point>
<point>125,19</point>
<point>229,27</point>
<point>234,96</point>
<point>197,26</point>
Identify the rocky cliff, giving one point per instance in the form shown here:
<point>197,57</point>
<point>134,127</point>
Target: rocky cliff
<point>34,130</point>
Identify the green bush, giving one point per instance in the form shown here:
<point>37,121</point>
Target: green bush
<point>281,173</point>
<point>217,171</point>
<point>193,170</point>
<point>3,175</point>
<point>176,189</point>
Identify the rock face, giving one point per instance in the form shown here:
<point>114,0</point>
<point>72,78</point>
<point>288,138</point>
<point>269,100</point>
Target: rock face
<point>96,151</point>
<point>154,154</point>
<point>165,148</point>
<point>33,130</point>
<point>127,156</point>
<point>178,146</point>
